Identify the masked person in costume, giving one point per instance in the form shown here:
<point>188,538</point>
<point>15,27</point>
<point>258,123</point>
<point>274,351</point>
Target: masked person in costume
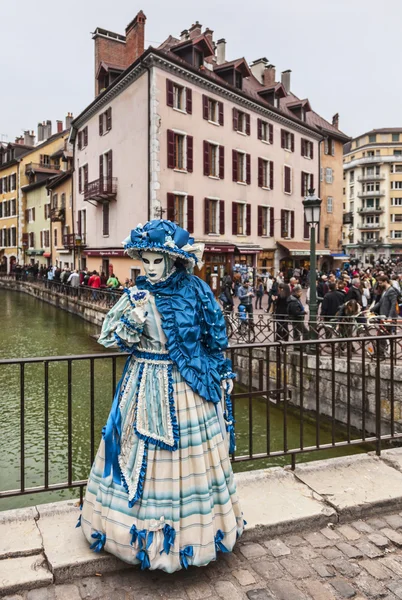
<point>161,491</point>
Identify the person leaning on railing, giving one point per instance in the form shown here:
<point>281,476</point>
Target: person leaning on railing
<point>297,312</point>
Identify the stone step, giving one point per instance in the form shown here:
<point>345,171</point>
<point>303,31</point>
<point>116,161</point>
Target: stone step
<point>23,573</point>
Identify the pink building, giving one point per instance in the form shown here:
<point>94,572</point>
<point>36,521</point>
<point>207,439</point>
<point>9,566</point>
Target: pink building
<point>179,132</point>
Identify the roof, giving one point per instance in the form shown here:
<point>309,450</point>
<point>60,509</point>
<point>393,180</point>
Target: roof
<point>56,181</point>
<point>382,130</point>
<point>34,186</point>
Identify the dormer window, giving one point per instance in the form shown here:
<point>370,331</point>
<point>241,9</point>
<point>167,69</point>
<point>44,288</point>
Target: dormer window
<point>238,80</point>
<point>198,59</point>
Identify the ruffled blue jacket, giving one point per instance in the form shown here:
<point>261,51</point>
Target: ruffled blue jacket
<point>195,330</point>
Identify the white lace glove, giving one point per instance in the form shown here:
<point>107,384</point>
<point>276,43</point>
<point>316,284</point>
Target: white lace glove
<point>227,382</point>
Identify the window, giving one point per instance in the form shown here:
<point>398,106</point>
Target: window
<point>55,201</point>
<point>241,121</point>
<point>82,223</point>
<point>13,207</point>
<point>351,177</point>
<point>214,160</point>
<point>31,239</point>
<point>212,110</point>
<point>13,236</point>
<point>63,201</point>
<point>397,152</point>
<point>241,218</point>
<point>326,237</point>
<point>396,201</point>
<point>307,148</point>
<point>265,173</point>
<point>82,178</point>
<point>329,147</point>
<point>307,182</point>
<point>328,175</point>
<point>241,167</point>
<point>105,121</point>
<point>46,238</point>
<point>287,180</point>
<point>372,139</point>
<point>214,216</point>
<point>105,218</point>
<point>266,221</point>
<point>396,168</point>
<point>287,223</point>
<point>47,211</point>
<point>396,185</point>
<point>352,191</point>
<point>30,215</point>
<point>180,151</point>
<point>178,96</point>
<point>44,160</point>
<point>13,182</point>
<point>396,218</point>
<point>83,138</point>
<point>395,137</point>
<point>180,210</point>
<point>329,204</point>
<point>287,140</point>
<point>396,235</point>
<point>55,238</point>
<point>265,131</point>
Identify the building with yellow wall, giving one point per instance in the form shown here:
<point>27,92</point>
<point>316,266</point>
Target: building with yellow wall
<point>65,244</point>
<point>373,195</point>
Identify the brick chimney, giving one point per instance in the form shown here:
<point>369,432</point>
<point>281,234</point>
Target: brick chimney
<point>257,68</point>
<point>335,120</point>
<point>269,76</point>
<point>29,138</point>
<point>19,140</point>
<point>220,51</point>
<point>195,30</point>
<point>59,126</point>
<point>209,34</point>
<point>286,80</point>
<point>110,48</point>
<point>135,38</point>
<point>184,35</point>
<point>69,118</point>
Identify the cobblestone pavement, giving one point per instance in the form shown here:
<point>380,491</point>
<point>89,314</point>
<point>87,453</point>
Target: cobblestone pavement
<point>360,560</point>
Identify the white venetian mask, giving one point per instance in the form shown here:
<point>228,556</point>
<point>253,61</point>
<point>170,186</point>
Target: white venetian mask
<point>157,265</point>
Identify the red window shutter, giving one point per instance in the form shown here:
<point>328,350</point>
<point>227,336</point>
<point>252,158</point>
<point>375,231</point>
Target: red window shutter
<point>189,101</point>
<point>170,207</point>
<point>248,169</point>
<point>79,141</point>
<point>101,124</point>
<point>206,158</point>
<point>234,218</point>
<point>206,215</point>
<point>271,133</point>
<point>109,168</point>
<point>312,181</point>
<point>292,142</point>
<point>86,136</point>
<point>109,118</point>
<point>302,184</point>
<point>260,209</point>
<point>260,172</point>
<point>292,224</point>
<point>283,138</point>
<point>247,124</point>
<point>303,147</point>
<point>33,214</point>
<point>26,215</point>
<point>221,118</point>
<point>205,107</point>
<point>190,153</point>
<point>312,149</point>
<point>85,176</point>
<point>45,211</point>
<point>222,217</point>
<point>234,167</point>
<point>235,119</point>
<point>283,224</point>
<point>101,168</point>
<point>288,188</point>
<point>221,162</point>
<point>259,129</point>
<point>80,179</point>
<point>170,149</point>
<point>306,229</point>
<point>190,214</point>
<point>248,219</point>
<point>271,175</point>
<point>271,222</point>
<point>169,92</point>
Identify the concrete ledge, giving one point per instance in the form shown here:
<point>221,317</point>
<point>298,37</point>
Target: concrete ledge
<point>19,534</point>
<point>23,573</point>
<point>355,486</point>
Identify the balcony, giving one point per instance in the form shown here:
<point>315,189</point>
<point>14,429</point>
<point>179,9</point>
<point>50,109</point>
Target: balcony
<point>364,178</point>
<point>41,168</point>
<point>74,240</point>
<point>370,242</point>
<point>373,210</point>
<point>375,194</point>
<point>57,214</point>
<point>371,226</point>
<point>348,218</point>
<point>101,189</point>
<point>364,160</point>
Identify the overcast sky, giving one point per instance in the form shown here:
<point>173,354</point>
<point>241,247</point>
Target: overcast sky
<point>344,54</point>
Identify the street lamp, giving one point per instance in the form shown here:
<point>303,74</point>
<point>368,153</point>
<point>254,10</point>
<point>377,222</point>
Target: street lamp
<point>312,210</point>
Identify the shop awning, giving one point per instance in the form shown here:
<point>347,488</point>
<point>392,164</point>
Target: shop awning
<point>340,256</point>
<point>303,248</point>
<point>249,249</point>
<point>47,255</point>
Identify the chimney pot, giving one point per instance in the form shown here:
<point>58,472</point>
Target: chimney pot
<point>184,35</point>
<point>59,126</point>
<point>195,30</point>
<point>40,132</point>
<point>269,76</point>
<point>335,120</point>
<point>135,38</point>
<point>209,34</point>
<point>257,68</point>
<point>220,51</point>
<point>286,80</point>
<point>29,139</point>
<point>69,118</point>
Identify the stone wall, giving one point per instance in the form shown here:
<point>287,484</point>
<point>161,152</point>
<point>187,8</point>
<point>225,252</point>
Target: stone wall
<point>85,310</point>
<point>333,388</point>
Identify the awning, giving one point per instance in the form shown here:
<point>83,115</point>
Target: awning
<point>105,252</point>
<point>219,248</point>
<point>47,255</point>
<point>303,248</point>
<point>337,256</point>
<point>35,252</point>
<point>249,249</point>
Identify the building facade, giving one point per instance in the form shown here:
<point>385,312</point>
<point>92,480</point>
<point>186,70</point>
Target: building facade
<point>65,244</point>
<point>373,196</point>
<point>211,145</point>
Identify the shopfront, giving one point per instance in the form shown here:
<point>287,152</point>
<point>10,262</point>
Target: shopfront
<point>110,261</point>
<point>266,262</point>
<point>218,259</point>
<point>294,255</point>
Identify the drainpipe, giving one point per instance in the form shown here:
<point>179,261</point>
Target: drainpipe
<point>149,141</point>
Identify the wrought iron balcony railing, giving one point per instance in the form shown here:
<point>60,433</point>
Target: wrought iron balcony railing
<point>57,214</point>
<point>101,189</point>
<point>375,194</point>
<point>364,178</point>
<point>377,210</point>
<point>74,240</point>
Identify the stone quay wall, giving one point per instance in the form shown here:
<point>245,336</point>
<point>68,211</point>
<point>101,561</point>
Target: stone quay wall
<point>333,387</point>
<point>87,311</point>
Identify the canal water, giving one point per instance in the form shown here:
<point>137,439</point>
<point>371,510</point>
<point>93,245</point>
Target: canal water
<point>31,328</point>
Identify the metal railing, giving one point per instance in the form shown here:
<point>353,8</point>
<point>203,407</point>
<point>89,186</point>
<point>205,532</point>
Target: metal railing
<point>278,384</point>
<point>41,165</point>
<point>74,240</point>
<point>374,194</point>
<point>101,189</point>
<point>373,209</point>
<point>370,178</point>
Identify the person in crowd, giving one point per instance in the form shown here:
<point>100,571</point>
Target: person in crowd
<point>331,303</point>
<point>322,288</point>
<point>246,296</point>
<point>87,277</point>
<point>113,283</point>
<point>281,313</point>
<point>226,296</point>
<point>272,292</point>
<point>236,282</point>
<point>297,313</point>
<point>259,294</point>
<point>95,283</point>
<point>354,292</point>
<point>386,305</point>
<point>103,279</point>
<point>74,281</point>
<point>292,283</point>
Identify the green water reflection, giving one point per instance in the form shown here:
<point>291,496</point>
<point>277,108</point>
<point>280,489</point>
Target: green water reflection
<point>30,328</point>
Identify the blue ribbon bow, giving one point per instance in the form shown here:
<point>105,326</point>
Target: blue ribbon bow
<point>169,538</point>
<point>218,541</point>
<point>78,522</point>
<point>134,534</point>
<point>143,553</point>
<point>187,552</point>
<point>100,541</point>
<point>156,232</point>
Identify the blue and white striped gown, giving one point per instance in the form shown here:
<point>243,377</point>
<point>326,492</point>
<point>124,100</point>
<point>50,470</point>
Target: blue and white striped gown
<point>190,490</point>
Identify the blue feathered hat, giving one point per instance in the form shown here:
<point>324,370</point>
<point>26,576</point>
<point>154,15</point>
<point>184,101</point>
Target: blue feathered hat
<point>161,235</point>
